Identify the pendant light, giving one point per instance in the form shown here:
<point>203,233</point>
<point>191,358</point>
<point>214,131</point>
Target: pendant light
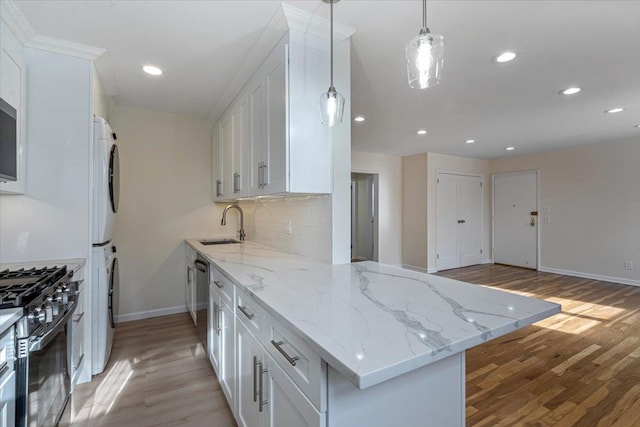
<point>425,56</point>
<point>331,102</point>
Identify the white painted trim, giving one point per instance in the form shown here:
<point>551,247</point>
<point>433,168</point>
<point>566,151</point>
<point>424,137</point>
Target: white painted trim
<point>19,24</point>
<point>619,280</point>
<point>420,269</point>
<point>151,313</point>
<point>314,25</point>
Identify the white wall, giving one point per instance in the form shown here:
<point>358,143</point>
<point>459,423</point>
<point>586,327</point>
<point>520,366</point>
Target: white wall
<point>446,163</point>
<point>389,170</point>
<point>166,185</point>
<point>51,221</point>
<point>594,196</point>
<point>414,211</point>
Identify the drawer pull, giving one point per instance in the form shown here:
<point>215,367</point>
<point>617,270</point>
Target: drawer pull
<point>78,318</point>
<point>243,309</point>
<point>278,346</point>
<point>219,284</point>
<point>77,365</point>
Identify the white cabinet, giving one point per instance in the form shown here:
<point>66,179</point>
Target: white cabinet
<point>77,335</point>
<point>279,145</point>
<point>267,397</point>
<point>190,284</point>
<point>221,336</point>
<point>12,91</point>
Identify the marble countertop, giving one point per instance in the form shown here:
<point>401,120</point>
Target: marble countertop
<point>369,321</point>
<point>74,264</point>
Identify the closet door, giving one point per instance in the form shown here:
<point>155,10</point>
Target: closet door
<point>458,220</point>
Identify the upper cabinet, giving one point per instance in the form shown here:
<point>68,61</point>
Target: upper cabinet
<point>270,140</point>
<point>13,93</point>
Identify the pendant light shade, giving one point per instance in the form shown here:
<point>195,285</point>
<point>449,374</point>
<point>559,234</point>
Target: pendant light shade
<point>331,107</point>
<point>331,102</point>
<point>425,56</point>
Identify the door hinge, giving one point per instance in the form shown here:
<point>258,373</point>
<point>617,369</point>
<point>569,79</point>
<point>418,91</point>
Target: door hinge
<point>480,251</point>
<point>480,184</point>
<point>438,256</point>
<point>438,180</point>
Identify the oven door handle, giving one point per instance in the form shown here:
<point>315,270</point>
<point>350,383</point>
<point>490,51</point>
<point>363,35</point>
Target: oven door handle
<point>42,341</point>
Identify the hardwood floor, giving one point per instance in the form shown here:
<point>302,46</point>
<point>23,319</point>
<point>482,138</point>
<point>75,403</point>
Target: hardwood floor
<point>158,375</point>
<point>578,368</point>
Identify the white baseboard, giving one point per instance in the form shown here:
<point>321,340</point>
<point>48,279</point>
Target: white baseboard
<point>414,268</point>
<point>150,313</point>
<point>620,280</point>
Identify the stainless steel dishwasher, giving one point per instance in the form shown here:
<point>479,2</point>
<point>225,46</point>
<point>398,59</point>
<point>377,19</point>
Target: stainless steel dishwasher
<point>202,298</point>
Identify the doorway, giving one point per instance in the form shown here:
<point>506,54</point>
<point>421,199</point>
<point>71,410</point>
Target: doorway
<point>458,220</point>
<point>364,217</point>
<point>515,219</point>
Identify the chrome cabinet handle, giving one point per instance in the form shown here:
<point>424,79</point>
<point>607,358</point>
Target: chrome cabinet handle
<point>215,315</point>
<point>243,309</point>
<point>218,284</point>
<point>77,319</point>
<point>278,346</point>
<point>3,367</point>
<point>261,401</point>
<point>260,174</point>
<point>255,378</point>
<point>264,175</point>
<point>200,266</point>
<point>77,365</point>
<point>219,328</point>
<point>218,185</point>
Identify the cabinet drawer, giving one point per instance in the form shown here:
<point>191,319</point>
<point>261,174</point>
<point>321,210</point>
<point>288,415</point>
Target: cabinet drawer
<point>225,287</point>
<point>298,360</point>
<point>250,313</point>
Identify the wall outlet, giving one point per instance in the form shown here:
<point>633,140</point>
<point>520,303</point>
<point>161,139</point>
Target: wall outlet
<point>628,265</point>
<point>287,226</point>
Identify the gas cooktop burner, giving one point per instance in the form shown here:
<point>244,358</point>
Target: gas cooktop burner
<point>19,287</point>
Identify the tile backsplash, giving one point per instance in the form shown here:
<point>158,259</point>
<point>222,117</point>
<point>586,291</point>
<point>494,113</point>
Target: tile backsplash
<point>299,225</point>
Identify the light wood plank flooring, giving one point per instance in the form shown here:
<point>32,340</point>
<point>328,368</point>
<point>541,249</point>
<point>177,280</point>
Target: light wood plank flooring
<point>578,368</point>
<point>158,375</point>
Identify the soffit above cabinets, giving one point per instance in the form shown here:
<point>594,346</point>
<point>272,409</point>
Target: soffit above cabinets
<point>202,45</point>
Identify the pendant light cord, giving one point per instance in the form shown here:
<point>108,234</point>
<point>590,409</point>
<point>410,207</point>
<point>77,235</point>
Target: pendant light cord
<point>424,13</point>
<point>331,40</point>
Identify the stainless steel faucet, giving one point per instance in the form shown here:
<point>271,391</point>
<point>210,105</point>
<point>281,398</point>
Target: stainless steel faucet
<point>224,219</point>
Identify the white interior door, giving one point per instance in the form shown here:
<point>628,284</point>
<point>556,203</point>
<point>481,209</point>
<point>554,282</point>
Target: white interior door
<point>447,241</point>
<point>458,220</point>
<point>515,221</point>
<point>470,213</point>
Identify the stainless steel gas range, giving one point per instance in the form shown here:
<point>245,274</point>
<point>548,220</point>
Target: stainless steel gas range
<point>48,298</point>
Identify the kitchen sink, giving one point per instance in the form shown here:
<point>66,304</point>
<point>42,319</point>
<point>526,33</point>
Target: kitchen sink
<point>218,241</point>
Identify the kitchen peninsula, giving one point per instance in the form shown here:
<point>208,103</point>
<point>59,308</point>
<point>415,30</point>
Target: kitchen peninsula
<point>347,345</point>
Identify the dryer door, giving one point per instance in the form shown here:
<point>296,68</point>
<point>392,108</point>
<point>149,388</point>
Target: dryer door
<point>114,178</point>
<point>114,292</point>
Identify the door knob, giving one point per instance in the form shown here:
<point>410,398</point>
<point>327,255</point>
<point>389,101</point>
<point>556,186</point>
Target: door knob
<point>533,221</point>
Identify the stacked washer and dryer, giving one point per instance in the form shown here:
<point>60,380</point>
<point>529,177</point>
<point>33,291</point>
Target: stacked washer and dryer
<point>105,278</point>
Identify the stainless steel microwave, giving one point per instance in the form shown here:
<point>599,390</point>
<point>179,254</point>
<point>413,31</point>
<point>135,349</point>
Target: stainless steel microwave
<point>8,142</point>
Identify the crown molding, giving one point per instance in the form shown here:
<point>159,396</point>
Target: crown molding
<point>308,23</point>
<point>20,26</point>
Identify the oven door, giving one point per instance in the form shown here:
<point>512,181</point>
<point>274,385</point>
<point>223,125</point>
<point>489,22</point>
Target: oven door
<point>47,376</point>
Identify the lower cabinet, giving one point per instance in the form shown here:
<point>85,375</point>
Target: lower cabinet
<point>267,397</point>
<point>190,289</point>
<point>221,336</point>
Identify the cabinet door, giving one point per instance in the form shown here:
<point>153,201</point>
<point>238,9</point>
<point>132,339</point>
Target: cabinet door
<point>227,333</point>
<point>286,404</point>
<point>275,169</point>
<point>241,133</point>
<point>248,355</point>
<point>214,341</point>
<point>8,400</point>
<point>226,132</point>
<point>258,127</point>
<point>218,161</point>
<point>189,291</point>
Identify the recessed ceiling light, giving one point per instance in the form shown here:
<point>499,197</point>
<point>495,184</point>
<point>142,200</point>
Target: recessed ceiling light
<point>421,132</point>
<point>470,141</point>
<point>510,148</point>
<point>359,119</point>
<point>506,56</point>
<point>614,110</point>
<point>638,126</point>
<point>153,70</point>
<point>570,91</point>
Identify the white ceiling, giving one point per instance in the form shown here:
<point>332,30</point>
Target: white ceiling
<point>201,44</point>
